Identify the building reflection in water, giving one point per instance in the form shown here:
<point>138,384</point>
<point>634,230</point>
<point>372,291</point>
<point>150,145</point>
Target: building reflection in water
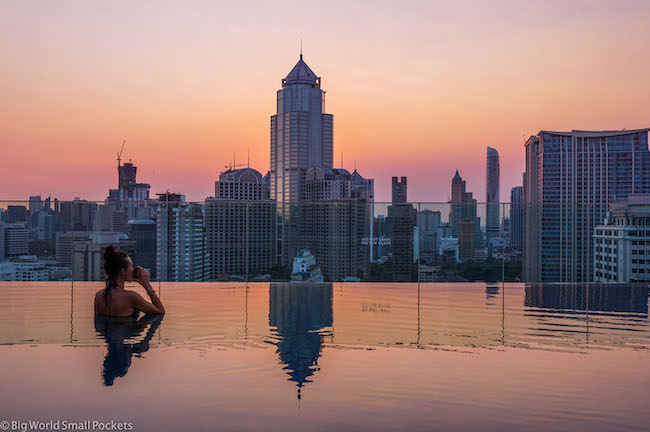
<point>631,298</point>
<point>119,334</point>
<point>303,316</point>
<point>491,293</point>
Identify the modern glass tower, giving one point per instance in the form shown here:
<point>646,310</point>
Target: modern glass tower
<point>301,138</point>
<point>570,179</point>
<point>492,197</point>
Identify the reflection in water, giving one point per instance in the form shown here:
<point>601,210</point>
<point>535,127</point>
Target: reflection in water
<point>119,334</point>
<point>491,293</point>
<point>300,312</point>
<point>590,297</point>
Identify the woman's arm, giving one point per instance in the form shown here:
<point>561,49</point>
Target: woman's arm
<point>138,302</point>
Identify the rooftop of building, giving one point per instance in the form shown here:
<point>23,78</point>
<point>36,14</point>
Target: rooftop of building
<point>301,74</point>
<point>241,175</point>
<point>604,133</point>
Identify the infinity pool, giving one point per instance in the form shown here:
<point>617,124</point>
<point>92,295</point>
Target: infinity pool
<point>331,357</point>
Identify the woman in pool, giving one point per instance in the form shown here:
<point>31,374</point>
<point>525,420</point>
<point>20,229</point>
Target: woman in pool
<point>114,300</point>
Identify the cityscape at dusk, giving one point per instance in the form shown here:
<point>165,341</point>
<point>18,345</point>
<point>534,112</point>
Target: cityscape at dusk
<point>337,216</point>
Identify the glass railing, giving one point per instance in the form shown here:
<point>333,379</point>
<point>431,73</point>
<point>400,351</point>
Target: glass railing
<point>330,241</point>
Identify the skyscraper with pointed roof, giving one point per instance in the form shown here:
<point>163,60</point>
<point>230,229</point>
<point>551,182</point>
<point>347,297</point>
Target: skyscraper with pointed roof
<point>301,138</point>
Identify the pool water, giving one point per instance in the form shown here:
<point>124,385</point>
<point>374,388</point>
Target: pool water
<point>379,357</point>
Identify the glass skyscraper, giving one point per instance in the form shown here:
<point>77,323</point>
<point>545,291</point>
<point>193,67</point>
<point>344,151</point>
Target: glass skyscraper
<point>493,222</point>
<point>301,138</point>
<point>570,179</point>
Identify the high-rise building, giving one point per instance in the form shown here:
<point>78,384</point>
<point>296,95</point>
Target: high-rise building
<point>181,252</point>
<point>492,197</point>
<point>363,190</point>
<point>334,224</point>
<point>130,196</point>
<point>402,218</point>
<point>65,245</point>
<point>78,215</point>
<point>381,239</point>
<point>463,207</point>
<point>428,223</point>
<point>570,179</point>
<point>110,219</point>
<point>399,191</point>
<point>466,235</point>
<point>46,225</point>
<point>621,243</point>
<point>301,138</point>
<point>16,237</point>
<point>240,223</point>
<point>15,213</point>
<point>143,233</point>
<point>35,204</point>
<point>516,217</point>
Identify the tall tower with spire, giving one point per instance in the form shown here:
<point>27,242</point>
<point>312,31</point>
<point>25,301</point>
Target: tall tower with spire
<point>301,138</point>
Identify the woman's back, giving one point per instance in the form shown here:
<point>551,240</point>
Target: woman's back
<point>118,302</point>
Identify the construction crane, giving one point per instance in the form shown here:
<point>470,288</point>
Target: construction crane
<point>229,167</point>
<point>119,155</point>
<point>234,164</point>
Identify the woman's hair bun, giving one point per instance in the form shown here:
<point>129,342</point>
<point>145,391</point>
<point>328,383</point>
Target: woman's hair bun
<point>109,251</point>
<point>114,261</point>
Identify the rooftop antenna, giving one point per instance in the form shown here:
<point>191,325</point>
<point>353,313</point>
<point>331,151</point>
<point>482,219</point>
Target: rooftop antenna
<point>234,160</point>
<point>249,159</point>
<point>300,48</point>
<point>341,159</point>
<point>355,164</point>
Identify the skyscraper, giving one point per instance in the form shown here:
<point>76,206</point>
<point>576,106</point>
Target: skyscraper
<point>399,191</point>
<point>466,236</point>
<point>181,254</point>
<point>428,223</point>
<point>335,220</point>
<point>570,179</point>
<point>516,217</point>
<point>131,197</point>
<point>463,207</point>
<point>301,138</point>
<point>78,215</point>
<point>239,224</point>
<point>143,233</point>
<point>492,197</point>
<point>402,219</point>
<point>36,204</point>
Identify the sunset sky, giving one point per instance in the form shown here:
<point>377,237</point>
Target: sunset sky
<point>417,89</point>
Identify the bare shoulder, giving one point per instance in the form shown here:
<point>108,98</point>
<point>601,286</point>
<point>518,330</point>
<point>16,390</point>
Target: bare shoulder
<point>133,295</point>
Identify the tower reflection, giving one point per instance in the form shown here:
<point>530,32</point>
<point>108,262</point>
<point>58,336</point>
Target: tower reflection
<point>119,333</point>
<point>302,315</point>
<point>591,297</point>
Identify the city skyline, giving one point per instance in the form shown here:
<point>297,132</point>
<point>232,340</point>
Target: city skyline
<point>420,102</point>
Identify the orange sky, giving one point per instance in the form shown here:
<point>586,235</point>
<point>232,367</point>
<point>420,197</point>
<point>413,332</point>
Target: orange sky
<point>420,90</point>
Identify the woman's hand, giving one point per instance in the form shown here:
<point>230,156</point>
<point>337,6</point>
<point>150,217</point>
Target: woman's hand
<point>143,277</point>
